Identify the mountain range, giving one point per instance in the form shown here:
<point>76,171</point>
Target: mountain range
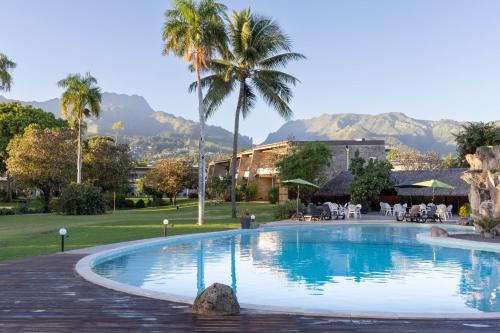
<point>154,134</point>
<point>397,129</point>
<point>150,134</point>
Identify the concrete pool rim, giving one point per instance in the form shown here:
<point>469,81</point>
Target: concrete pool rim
<point>84,268</point>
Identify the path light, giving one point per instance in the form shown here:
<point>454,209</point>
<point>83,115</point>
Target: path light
<point>252,218</point>
<point>165,224</point>
<point>62,233</point>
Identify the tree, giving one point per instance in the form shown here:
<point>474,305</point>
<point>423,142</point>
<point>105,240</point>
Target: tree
<point>474,135</point>
<point>410,159</point>
<point>252,65</point>
<point>14,118</point>
<point>217,186</point>
<point>194,30</point>
<point>5,77</point>
<point>169,176</point>
<point>81,99</point>
<point>310,162</point>
<point>43,159</point>
<point>107,165</point>
<point>369,179</point>
<point>451,161</point>
<point>117,126</point>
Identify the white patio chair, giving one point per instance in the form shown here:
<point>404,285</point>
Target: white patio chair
<point>351,210</point>
<point>441,212</point>
<point>449,210</point>
<point>423,208</point>
<point>388,209</point>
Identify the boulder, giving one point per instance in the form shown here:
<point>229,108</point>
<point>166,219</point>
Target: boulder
<point>216,300</point>
<point>438,232</point>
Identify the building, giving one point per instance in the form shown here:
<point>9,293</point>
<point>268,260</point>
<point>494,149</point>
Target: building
<point>337,189</point>
<point>137,173</point>
<point>258,163</point>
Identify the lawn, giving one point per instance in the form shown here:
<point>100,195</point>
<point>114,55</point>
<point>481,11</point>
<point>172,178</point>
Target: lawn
<point>37,234</point>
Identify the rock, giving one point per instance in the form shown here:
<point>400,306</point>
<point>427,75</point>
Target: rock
<point>438,232</point>
<point>216,300</point>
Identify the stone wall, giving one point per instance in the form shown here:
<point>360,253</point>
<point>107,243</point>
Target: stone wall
<point>484,179</point>
<point>340,156</point>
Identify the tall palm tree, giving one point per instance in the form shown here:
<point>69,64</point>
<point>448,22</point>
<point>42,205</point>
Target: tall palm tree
<point>258,50</point>
<point>81,99</point>
<point>5,66</point>
<point>194,30</point>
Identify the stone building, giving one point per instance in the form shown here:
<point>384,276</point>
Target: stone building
<point>258,163</point>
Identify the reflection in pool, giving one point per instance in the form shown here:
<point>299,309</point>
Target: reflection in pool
<point>333,268</point>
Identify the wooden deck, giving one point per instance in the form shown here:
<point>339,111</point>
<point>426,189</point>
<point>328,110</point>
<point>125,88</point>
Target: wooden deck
<point>44,294</point>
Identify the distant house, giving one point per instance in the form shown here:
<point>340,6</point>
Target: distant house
<point>137,173</point>
<point>337,189</point>
<point>258,163</point>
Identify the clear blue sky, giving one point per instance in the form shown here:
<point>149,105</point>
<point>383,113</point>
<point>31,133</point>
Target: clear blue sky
<point>429,59</point>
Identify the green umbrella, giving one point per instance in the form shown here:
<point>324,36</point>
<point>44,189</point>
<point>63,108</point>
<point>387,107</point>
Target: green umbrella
<point>434,183</point>
<point>299,182</point>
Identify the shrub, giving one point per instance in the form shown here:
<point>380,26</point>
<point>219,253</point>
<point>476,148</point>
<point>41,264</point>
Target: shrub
<point>273,195</point>
<point>82,199</point>
<point>488,224</point>
<point>240,192</point>
<point>140,204</point>
<point>251,191</point>
<point>54,205</point>
<point>7,211</point>
<point>193,195</point>
<point>287,209</point>
<point>25,209</point>
<point>465,210</point>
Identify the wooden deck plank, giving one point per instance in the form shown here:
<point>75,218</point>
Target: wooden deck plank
<point>44,294</point>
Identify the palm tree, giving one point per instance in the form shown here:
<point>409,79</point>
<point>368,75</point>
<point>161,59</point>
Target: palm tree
<point>5,78</point>
<point>81,99</point>
<point>117,126</point>
<point>258,49</point>
<point>194,30</point>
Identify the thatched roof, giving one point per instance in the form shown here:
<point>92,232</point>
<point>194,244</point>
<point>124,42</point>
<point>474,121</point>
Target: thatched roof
<point>339,185</point>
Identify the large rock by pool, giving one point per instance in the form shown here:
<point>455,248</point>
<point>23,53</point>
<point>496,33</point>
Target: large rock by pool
<point>216,300</point>
<point>438,232</point>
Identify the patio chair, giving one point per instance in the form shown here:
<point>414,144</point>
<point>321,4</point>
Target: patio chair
<point>300,215</point>
<point>449,213</point>
<point>382,208</point>
<point>414,214</point>
<point>431,214</point>
<point>313,213</point>
<point>388,209</point>
<point>422,208</point>
<point>353,210</point>
<point>327,213</point>
<point>441,211</point>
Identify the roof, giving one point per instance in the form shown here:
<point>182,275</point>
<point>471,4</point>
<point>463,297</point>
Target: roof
<point>339,185</point>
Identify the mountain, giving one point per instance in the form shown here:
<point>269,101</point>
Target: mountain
<point>150,133</point>
<point>397,129</point>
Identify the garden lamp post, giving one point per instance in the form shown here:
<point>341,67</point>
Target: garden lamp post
<point>165,225</point>
<point>62,233</point>
<point>252,218</point>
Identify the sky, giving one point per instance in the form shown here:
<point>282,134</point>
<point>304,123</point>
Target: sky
<point>430,59</point>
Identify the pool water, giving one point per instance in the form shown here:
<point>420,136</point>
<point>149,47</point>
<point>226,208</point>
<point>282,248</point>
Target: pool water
<point>363,268</point>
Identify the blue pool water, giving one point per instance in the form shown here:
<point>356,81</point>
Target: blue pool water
<point>333,268</point>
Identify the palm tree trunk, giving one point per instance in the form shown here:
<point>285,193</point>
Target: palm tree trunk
<point>201,163</point>
<point>79,154</point>
<point>235,149</point>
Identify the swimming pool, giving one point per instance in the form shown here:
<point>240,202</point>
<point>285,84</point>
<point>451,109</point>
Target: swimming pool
<point>343,268</point>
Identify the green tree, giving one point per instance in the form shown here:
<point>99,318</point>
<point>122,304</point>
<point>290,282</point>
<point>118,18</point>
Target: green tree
<point>258,50</point>
<point>43,159</point>
<point>194,30</point>
<point>5,77</point>
<point>310,162</point>
<point>81,99</point>
<point>369,179</point>
<point>217,186</point>
<point>474,135</point>
<point>107,165</point>
<point>14,118</point>
<point>451,161</point>
<point>169,176</point>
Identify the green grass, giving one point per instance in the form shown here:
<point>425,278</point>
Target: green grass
<point>37,234</point>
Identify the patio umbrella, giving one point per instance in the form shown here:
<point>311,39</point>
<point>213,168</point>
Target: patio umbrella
<point>299,182</point>
<point>434,183</point>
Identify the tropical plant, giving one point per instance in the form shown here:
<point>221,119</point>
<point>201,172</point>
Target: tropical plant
<point>465,210</point>
<point>81,99</point>
<point>369,179</point>
<point>5,77</point>
<point>43,159</point>
<point>487,225</point>
<point>194,30</point>
<point>252,66</point>
<point>251,190</point>
<point>287,209</point>
<point>474,135</point>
